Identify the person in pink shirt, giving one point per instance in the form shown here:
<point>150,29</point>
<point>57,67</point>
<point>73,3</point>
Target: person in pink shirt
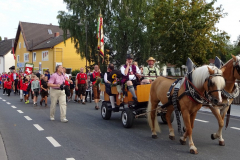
<point>57,92</point>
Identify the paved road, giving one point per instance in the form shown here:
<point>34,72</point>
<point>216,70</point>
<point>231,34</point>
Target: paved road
<point>88,136</point>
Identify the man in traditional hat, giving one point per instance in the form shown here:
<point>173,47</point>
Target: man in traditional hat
<point>150,72</point>
<point>130,75</point>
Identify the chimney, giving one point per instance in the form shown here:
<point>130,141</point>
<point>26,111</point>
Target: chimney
<point>56,34</point>
<point>5,38</point>
<point>50,24</point>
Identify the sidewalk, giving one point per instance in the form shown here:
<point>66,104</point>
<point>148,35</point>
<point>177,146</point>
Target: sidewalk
<point>3,155</point>
<point>235,110</point>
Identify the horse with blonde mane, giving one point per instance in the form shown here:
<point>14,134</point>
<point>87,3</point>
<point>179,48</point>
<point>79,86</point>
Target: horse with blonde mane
<point>231,72</point>
<point>204,79</point>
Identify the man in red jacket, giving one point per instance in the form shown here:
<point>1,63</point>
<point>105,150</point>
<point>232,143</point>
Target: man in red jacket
<point>81,84</point>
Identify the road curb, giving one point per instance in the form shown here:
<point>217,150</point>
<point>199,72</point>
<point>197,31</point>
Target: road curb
<point>3,154</point>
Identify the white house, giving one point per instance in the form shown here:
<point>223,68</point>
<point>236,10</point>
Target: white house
<point>6,56</point>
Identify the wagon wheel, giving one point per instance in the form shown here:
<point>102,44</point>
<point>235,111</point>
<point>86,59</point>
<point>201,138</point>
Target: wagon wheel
<point>127,118</point>
<point>163,117</point>
<point>105,112</point>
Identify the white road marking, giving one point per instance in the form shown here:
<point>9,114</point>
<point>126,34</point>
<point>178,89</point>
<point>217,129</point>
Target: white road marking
<point>28,118</point>
<point>235,128</point>
<point>0,97</point>
<point>53,141</point>
<point>201,120</point>
<point>70,159</point>
<point>38,127</point>
<point>3,100</point>
<point>20,111</point>
<point>8,103</point>
<point>14,107</point>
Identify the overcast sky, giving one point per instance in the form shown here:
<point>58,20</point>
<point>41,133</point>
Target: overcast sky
<point>45,12</point>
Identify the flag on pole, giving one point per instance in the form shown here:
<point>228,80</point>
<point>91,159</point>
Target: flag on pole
<point>13,50</point>
<point>100,36</point>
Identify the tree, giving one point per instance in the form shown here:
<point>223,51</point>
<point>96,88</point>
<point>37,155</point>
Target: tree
<point>184,28</point>
<point>124,28</point>
<point>0,38</point>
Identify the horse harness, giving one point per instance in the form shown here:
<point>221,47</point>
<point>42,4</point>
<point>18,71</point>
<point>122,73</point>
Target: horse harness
<point>191,91</point>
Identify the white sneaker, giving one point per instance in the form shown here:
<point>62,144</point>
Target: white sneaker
<point>52,119</point>
<point>64,120</point>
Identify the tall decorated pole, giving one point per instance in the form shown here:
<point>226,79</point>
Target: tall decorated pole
<point>100,37</point>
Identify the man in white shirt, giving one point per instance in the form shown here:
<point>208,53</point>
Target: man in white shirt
<point>130,75</point>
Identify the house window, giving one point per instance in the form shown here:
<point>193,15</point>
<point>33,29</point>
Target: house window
<point>24,46</point>
<point>68,70</point>
<point>18,58</point>
<point>49,31</point>
<point>34,56</point>
<point>19,44</point>
<point>45,55</point>
<point>26,57</point>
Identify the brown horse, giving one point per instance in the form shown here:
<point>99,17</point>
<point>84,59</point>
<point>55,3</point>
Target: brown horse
<point>230,74</point>
<point>201,77</point>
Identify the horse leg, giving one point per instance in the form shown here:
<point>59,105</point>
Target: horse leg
<point>223,113</point>
<point>168,119</point>
<point>220,120</point>
<point>193,149</point>
<point>186,118</point>
<point>188,121</point>
<point>152,117</point>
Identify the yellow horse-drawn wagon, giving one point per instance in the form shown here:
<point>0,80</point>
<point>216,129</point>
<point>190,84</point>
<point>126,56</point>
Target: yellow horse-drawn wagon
<point>130,110</point>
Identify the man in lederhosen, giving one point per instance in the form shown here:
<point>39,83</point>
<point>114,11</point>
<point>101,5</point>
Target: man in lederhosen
<point>108,81</point>
<point>150,72</point>
<point>130,75</point>
<point>81,85</point>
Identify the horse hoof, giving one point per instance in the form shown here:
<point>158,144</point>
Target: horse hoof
<point>212,137</point>
<point>154,136</point>
<point>221,143</point>
<point>193,152</point>
<point>172,137</point>
<point>182,142</point>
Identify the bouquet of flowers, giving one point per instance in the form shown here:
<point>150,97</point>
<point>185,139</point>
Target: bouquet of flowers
<point>116,81</point>
<point>98,81</point>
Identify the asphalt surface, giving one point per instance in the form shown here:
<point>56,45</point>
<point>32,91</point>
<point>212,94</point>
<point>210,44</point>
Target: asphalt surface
<point>88,136</point>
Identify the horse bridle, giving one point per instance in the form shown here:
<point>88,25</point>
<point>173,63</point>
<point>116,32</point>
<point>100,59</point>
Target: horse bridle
<point>208,93</point>
<point>236,66</point>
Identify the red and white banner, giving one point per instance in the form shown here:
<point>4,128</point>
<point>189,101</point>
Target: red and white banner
<point>28,68</point>
<point>13,50</point>
<point>100,37</point>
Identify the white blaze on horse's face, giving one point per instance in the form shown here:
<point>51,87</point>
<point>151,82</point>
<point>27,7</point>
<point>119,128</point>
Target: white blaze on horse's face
<point>218,81</point>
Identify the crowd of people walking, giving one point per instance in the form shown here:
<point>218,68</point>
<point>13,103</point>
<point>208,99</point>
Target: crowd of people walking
<point>61,86</point>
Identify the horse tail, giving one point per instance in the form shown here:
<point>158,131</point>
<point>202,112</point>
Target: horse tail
<point>149,118</point>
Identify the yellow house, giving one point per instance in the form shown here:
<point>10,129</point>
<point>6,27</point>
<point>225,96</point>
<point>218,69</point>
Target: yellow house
<point>43,45</point>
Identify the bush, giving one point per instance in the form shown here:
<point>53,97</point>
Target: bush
<point>75,72</point>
